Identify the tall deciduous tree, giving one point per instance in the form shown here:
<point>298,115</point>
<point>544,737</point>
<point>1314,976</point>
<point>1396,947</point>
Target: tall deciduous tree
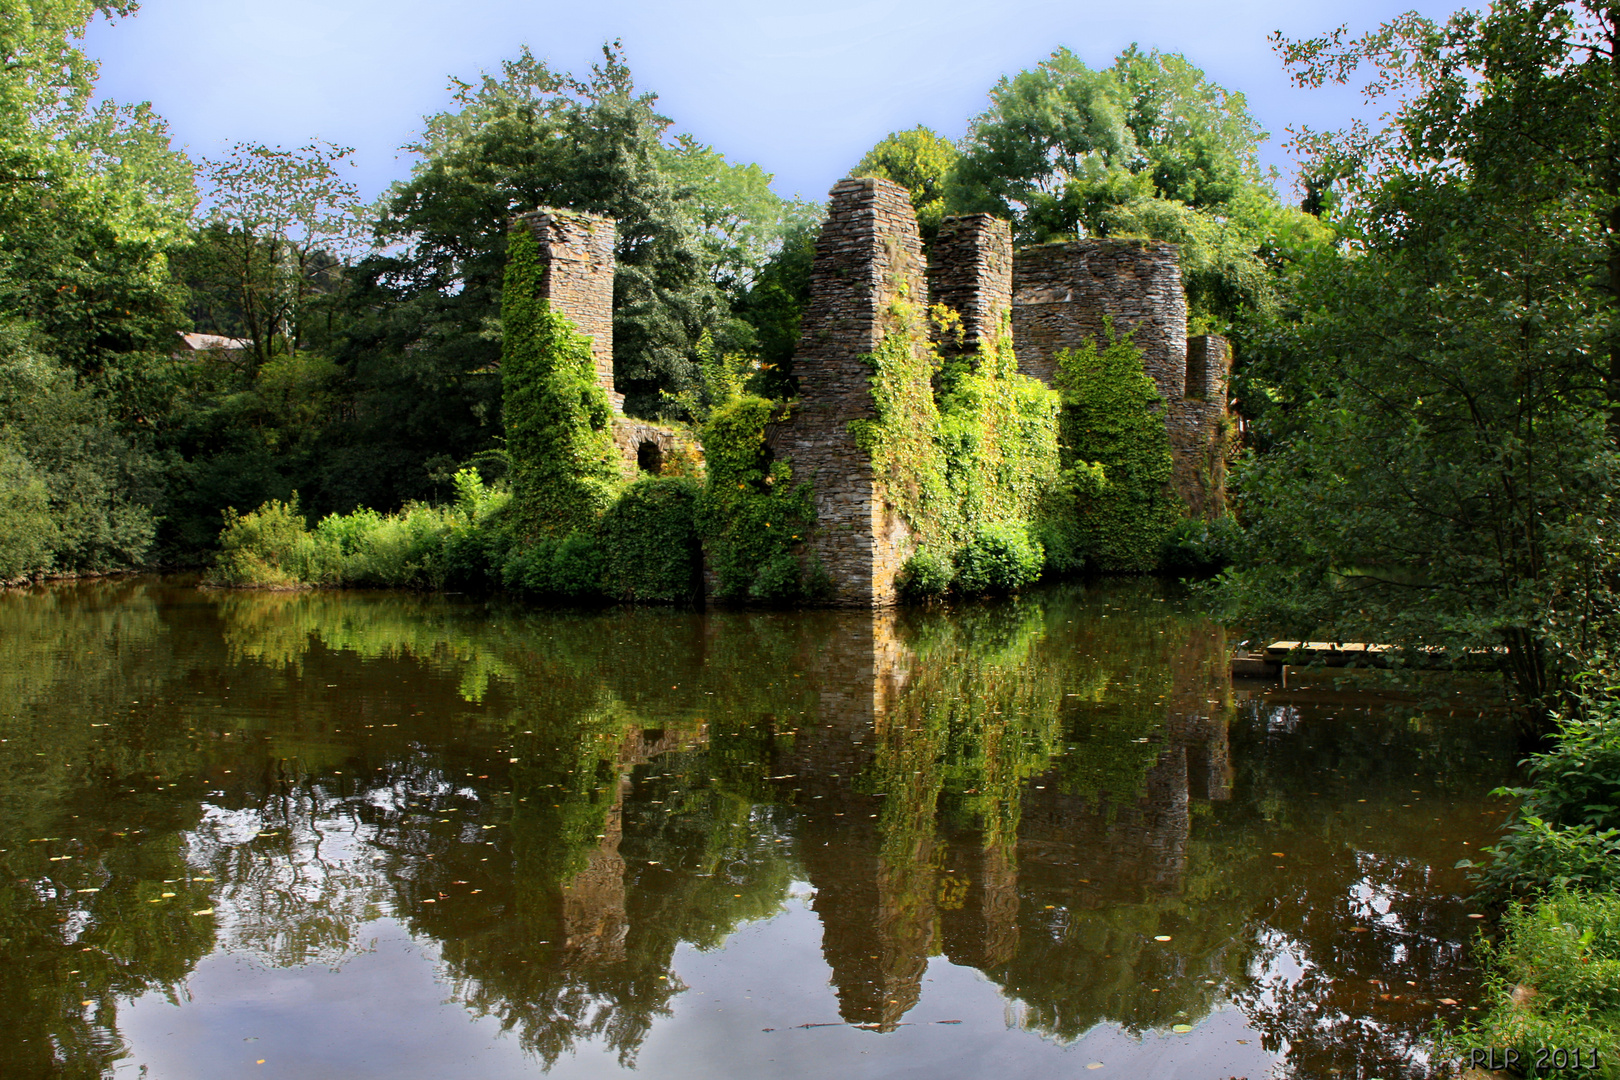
<point>1441,473</point>
<point>91,200</point>
<point>919,160</point>
<point>282,223</point>
<point>1148,147</point>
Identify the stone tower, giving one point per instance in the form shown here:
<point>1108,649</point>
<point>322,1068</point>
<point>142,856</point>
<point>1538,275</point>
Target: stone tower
<point>868,256</point>
<point>576,251</point>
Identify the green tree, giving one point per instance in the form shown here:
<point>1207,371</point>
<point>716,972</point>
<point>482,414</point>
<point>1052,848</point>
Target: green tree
<point>281,225</point>
<point>1148,147</point>
<point>919,160</point>
<point>92,198</point>
<point>534,137</point>
<point>1440,473</point>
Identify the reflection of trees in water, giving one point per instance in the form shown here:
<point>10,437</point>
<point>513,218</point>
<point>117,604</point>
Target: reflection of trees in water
<point>1035,789</point>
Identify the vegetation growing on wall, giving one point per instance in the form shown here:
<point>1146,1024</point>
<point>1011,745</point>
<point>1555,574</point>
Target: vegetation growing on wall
<point>967,451</point>
<point>1113,417</point>
<point>564,466</point>
<point>752,517</point>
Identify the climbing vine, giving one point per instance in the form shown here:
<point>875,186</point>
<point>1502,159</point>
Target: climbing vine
<point>564,468</point>
<point>754,520</point>
<point>967,451</point>
<point>1113,417</point>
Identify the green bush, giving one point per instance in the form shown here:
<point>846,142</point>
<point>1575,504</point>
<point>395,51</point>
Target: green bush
<point>1199,549</point>
<point>926,575</point>
<point>650,542</point>
<point>27,534</point>
<point>1113,416</point>
<point>568,568</point>
<point>1565,832</point>
<point>1555,980</point>
<point>268,548</point>
<point>999,558</point>
<point>752,517</point>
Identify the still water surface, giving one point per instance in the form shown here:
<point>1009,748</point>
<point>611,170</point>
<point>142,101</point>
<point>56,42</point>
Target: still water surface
<point>339,835</point>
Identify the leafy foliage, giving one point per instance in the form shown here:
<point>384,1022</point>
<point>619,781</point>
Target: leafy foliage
<point>1145,148</point>
<point>1562,956</point>
<point>1565,831</point>
<point>1438,459</point>
<point>565,469</point>
<point>919,160</point>
<point>649,536</point>
<point>1113,418</point>
<point>751,516</point>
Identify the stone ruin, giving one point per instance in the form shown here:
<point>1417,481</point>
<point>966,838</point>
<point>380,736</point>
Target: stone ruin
<point>868,255</point>
<point>577,265</point>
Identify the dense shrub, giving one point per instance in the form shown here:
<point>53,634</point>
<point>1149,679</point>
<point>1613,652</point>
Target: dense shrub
<point>926,575</point>
<point>998,559</point>
<point>751,515</point>
<point>1555,980</point>
<point>1199,549</point>
<point>650,542</point>
<point>268,548</point>
<point>1113,416</point>
<point>1565,832</point>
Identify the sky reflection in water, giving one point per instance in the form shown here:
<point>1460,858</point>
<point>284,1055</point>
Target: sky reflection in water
<point>378,835</point>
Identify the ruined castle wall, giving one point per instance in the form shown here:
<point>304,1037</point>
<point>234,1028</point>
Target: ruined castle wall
<point>868,254</point>
<point>1063,292</point>
<point>576,250</point>
<point>1198,428</point>
<point>970,272</point>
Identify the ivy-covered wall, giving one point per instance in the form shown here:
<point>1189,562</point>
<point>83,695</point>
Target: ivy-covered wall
<point>753,517</point>
<point>967,451</point>
<point>1113,419</point>
<point>564,467</point>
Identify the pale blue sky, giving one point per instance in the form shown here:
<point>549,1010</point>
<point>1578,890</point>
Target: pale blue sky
<point>804,90</point>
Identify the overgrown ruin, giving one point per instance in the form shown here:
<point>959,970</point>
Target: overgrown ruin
<point>869,280</point>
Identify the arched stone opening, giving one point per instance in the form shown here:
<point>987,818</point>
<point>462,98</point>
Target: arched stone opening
<point>650,457</point>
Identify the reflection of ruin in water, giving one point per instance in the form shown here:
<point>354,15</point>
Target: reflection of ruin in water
<point>893,885</point>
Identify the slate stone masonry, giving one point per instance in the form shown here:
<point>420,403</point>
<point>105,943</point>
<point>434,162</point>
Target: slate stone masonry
<point>1199,427</point>
<point>1062,293</point>
<point>576,250</point>
<point>868,255</point>
<point>970,271</point>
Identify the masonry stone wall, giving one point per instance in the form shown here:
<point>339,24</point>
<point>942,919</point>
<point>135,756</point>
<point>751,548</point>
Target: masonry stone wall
<point>1063,292</point>
<point>970,270</point>
<point>1061,295</point>
<point>869,254</point>
<point>576,251</point>
<point>1198,427</point>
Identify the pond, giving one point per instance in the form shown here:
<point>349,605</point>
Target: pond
<point>350,835</point>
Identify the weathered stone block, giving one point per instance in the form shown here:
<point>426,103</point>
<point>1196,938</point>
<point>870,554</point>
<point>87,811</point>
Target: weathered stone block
<point>970,271</point>
<point>1062,293</point>
<point>1198,425</point>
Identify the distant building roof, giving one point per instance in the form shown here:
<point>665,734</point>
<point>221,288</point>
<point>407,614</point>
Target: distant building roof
<point>209,342</point>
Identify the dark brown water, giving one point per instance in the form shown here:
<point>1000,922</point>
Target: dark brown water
<point>344,836</point>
